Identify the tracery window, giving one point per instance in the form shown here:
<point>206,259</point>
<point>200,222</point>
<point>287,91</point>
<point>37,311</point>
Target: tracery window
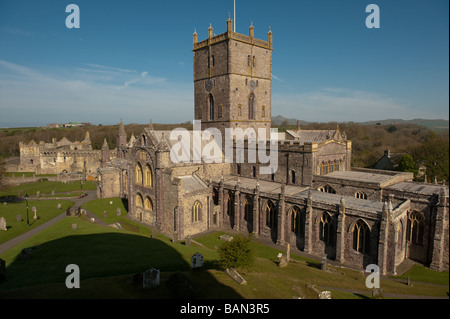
<point>415,228</point>
<point>361,237</point>
<point>360,195</point>
<point>196,211</point>
<point>325,228</point>
<point>139,176</point>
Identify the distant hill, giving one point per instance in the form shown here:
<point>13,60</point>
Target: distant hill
<point>434,125</point>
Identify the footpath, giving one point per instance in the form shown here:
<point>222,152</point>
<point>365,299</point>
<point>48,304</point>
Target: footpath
<point>17,240</point>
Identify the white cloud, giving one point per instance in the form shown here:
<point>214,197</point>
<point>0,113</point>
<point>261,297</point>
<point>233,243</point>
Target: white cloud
<point>89,95</point>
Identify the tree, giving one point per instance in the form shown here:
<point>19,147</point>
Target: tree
<point>407,164</point>
<point>433,155</point>
<point>238,253</point>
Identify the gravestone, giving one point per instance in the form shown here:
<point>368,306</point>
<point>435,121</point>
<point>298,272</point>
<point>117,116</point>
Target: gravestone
<point>2,270</point>
<point>323,264</point>
<point>188,240</point>
<point>92,220</point>
<point>19,218</point>
<point>236,276</point>
<point>53,193</point>
<point>197,261</point>
<point>118,211</point>
<point>226,238</point>
<point>38,193</point>
<point>105,214</point>
<point>34,210</point>
<point>288,252</point>
<point>110,203</point>
<point>74,226</point>
<point>151,278</point>
<point>3,223</point>
<point>116,225</point>
<point>5,204</point>
<point>283,262</point>
<point>26,253</point>
<point>325,295</point>
<point>377,293</point>
<point>59,206</point>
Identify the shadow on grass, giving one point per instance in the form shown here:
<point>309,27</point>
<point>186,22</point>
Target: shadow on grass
<point>362,296</point>
<point>98,257</point>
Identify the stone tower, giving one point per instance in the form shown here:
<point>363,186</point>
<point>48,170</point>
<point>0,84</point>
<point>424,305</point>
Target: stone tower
<point>121,140</point>
<point>232,80</point>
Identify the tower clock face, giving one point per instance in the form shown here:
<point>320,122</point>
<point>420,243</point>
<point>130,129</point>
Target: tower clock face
<point>208,85</point>
<point>252,85</point>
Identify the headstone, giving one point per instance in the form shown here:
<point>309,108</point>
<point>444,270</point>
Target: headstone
<point>188,240</point>
<point>116,225</point>
<point>197,261</point>
<point>38,193</point>
<point>105,214</point>
<point>35,212</point>
<point>288,252</point>
<point>59,206</point>
<point>151,278</point>
<point>19,218</point>
<point>83,211</point>
<point>283,262</point>
<point>110,203</point>
<point>236,276</point>
<point>226,238</point>
<point>174,236</point>
<point>74,226</point>
<point>92,220</point>
<point>26,253</point>
<point>53,193</point>
<point>409,281</point>
<point>5,204</point>
<point>325,295</point>
<point>3,223</point>
<point>323,264</point>
<point>2,270</point>
<point>118,211</point>
<point>279,256</point>
<point>377,293</point>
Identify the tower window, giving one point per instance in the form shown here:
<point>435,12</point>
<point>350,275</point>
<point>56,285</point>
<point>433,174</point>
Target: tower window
<point>211,107</point>
<point>251,107</point>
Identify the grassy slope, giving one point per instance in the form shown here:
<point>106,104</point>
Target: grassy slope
<point>108,258</point>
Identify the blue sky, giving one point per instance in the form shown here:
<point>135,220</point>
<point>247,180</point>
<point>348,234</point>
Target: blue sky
<point>132,59</point>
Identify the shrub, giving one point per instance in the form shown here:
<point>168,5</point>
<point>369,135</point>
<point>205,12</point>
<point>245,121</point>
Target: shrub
<point>238,253</point>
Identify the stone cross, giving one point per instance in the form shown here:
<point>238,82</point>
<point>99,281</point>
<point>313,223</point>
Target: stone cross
<point>3,223</point>
<point>151,278</point>
<point>197,261</point>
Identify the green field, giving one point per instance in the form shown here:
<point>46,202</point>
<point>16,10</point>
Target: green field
<point>109,258</point>
<point>46,188</point>
<point>46,210</point>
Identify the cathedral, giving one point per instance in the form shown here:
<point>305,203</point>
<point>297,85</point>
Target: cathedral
<point>314,200</point>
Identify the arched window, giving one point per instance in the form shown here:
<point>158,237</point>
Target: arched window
<point>148,204</point>
<point>216,196</point>
<point>211,107</point>
<point>297,221</point>
<point>325,228</point>
<point>293,179</point>
<point>148,176</point>
<point>327,189</point>
<point>360,195</point>
<point>361,237</point>
<point>399,236</point>
<point>139,201</point>
<point>196,212</point>
<point>254,171</point>
<point>415,228</point>
<point>248,209</point>
<point>251,106</point>
<point>139,176</point>
<point>270,215</point>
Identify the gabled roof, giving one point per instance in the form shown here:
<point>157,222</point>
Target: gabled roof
<point>317,136</point>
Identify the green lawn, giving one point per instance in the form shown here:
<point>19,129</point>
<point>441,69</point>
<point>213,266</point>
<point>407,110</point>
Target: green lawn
<point>46,210</point>
<point>424,274</point>
<point>47,187</point>
<point>108,259</point>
